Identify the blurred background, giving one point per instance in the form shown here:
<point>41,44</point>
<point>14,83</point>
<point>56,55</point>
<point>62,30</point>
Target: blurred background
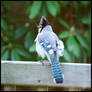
<point>70,20</point>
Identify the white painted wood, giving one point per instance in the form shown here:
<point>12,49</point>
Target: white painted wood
<point>34,73</point>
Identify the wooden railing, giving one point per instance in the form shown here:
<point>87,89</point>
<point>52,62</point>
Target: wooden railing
<point>15,73</point>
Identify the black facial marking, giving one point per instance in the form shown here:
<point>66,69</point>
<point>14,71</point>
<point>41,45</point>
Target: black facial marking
<point>43,22</point>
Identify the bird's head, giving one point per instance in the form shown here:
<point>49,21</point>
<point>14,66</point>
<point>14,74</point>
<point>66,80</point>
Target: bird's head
<point>42,24</point>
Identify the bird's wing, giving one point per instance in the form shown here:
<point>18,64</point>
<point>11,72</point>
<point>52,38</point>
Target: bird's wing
<point>47,42</point>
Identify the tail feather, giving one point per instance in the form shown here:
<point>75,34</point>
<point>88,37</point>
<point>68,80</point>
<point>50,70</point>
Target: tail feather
<point>56,69</point>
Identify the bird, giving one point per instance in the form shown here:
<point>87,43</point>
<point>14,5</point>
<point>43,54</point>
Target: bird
<point>48,45</point>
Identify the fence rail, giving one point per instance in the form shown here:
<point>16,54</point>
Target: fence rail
<point>34,73</point>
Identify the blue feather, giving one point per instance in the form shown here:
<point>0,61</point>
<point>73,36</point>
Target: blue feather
<point>56,69</point>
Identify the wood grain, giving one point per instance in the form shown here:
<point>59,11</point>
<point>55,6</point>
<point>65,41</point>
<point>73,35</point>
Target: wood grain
<point>34,73</point>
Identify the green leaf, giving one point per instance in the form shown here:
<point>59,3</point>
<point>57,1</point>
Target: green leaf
<point>82,41</point>
<point>88,35</point>
<point>67,56</point>
<point>53,7</point>
<point>86,20</point>
<point>7,31</point>
<point>64,23</point>
<point>75,5</point>
<point>64,34</point>
<point>85,3</point>
<point>22,52</point>
<point>64,3</point>
<point>5,55</point>
<point>14,55</point>
<point>18,45</point>
<point>4,24</point>
<point>29,38</point>
<point>32,48</point>
<point>44,12</point>
<point>3,48</point>
<point>73,46</point>
<point>34,10</point>
<point>20,31</point>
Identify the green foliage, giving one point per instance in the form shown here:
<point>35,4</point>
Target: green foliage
<point>3,49</point>
<point>5,55</point>
<point>29,39</point>
<point>82,41</point>
<point>85,3</point>
<point>17,42</point>
<point>86,19</point>
<point>73,46</point>
<point>53,7</point>
<point>32,48</point>
<point>44,12</point>
<point>64,23</point>
<point>20,31</point>
<point>6,4</point>
<point>67,55</point>
<point>64,3</point>
<point>35,9</point>
<point>64,34</point>
<point>14,55</point>
<point>4,25</point>
<point>75,5</point>
<point>6,30</point>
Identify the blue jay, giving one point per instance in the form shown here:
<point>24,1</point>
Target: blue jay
<point>48,44</point>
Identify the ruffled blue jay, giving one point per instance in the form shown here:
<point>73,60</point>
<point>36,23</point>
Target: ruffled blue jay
<point>48,44</point>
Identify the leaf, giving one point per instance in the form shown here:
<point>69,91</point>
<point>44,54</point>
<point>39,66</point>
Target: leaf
<point>64,23</point>
<point>34,10</point>
<point>4,24</point>
<point>88,35</point>
<point>64,3</point>
<point>82,41</point>
<point>75,5</point>
<point>44,12</point>
<point>18,45</point>
<point>5,55</point>
<point>22,52</point>
<point>3,48</point>
<point>29,38</point>
<point>7,31</point>
<point>53,7</point>
<point>67,56</point>
<point>86,20</point>
<point>32,48</point>
<point>14,55</point>
<point>64,34</point>
<point>85,3</point>
<point>20,31</point>
<point>73,46</point>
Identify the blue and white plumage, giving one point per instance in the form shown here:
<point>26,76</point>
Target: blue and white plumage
<point>48,44</point>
